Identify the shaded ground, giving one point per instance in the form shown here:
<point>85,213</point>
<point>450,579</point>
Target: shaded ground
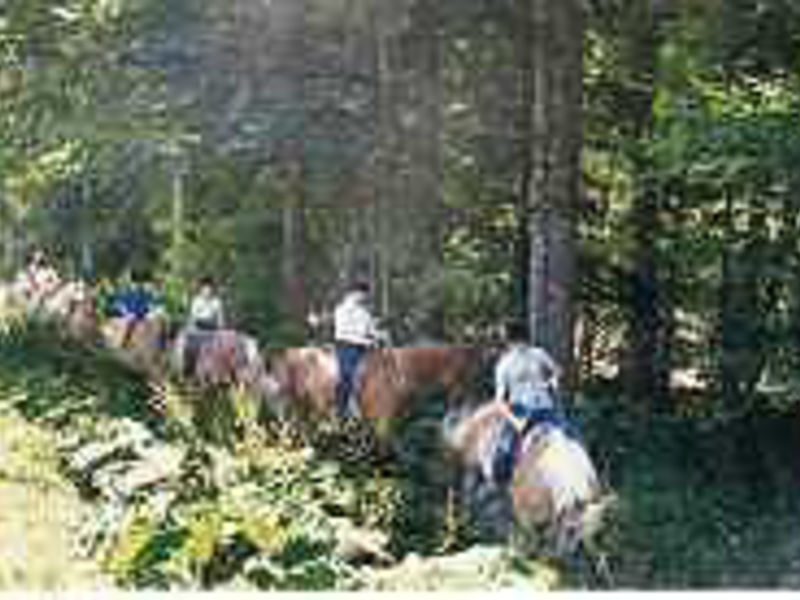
<point>38,513</point>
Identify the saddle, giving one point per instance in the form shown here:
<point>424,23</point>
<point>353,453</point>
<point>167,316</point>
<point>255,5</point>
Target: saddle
<point>195,340</point>
<point>385,361</point>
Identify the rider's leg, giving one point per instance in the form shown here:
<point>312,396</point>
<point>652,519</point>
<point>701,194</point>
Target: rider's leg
<point>347,356</point>
<point>127,330</point>
<point>503,464</point>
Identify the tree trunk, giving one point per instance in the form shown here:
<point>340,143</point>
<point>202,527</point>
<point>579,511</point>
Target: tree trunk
<point>423,176</point>
<point>555,173</point>
<point>645,326</point>
<point>522,248</point>
<point>644,370</point>
<point>382,238</point>
<point>408,165</point>
<point>293,17</point>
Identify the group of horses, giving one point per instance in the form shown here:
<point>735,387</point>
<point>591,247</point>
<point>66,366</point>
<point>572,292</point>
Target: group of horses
<point>555,488</point>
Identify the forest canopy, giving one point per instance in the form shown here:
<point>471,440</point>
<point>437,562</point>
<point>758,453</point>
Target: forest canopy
<point>620,174</point>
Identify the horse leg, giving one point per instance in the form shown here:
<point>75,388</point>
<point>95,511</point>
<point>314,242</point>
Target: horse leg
<point>456,511</point>
<point>591,566</point>
<point>490,507</point>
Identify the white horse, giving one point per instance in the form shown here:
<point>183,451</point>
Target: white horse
<point>555,487</point>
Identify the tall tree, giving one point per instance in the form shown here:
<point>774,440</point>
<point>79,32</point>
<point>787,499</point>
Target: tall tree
<point>645,369</point>
<point>555,138</point>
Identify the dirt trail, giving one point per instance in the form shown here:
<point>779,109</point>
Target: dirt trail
<point>39,511</point>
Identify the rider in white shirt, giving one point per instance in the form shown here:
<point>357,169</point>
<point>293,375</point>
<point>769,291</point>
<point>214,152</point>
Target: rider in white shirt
<point>205,312</point>
<point>206,315</point>
<point>355,331</point>
<point>39,279</point>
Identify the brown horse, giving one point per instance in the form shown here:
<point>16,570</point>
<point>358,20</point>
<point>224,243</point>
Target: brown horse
<point>73,306</point>
<point>226,358</point>
<point>69,305</point>
<point>139,344</point>
<point>555,487</point>
<point>389,378</point>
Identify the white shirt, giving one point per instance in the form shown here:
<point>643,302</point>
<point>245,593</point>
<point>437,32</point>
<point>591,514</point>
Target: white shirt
<point>38,281</point>
<point>206,309</point>
<point>353,323</point>
<point>523,375</point>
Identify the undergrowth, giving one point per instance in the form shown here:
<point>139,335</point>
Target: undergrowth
<point>699,498</point>
<point>701,501</point>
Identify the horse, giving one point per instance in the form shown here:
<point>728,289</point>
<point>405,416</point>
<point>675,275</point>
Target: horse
<point>389,379</point>
<point>72,306</point>
<point>555,488</point>
<point>67,304</point>
<point>142,344</point>
<point>226,357</point>
<point>223,357</point>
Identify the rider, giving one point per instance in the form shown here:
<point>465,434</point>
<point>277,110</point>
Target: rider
<point>39,279</point>
<point>526,378</point>
<point>205,311</point>
<point>206,315</point>
<point>355,331</point>
<point>134,304</point>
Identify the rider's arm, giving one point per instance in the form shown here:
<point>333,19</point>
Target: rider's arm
<point>502,394</point>
<point>552,370</point>
<point>220,314</point>
<point>193,306</point>
<point>501,387</point>
<point>372,328</point>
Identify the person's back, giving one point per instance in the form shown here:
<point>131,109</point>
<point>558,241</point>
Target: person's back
<point>133,305</point>
<point>134,302</point>
<point>525,383</point>
<point>352,321</point>
<point>355,332</point>
<point>525,375</point>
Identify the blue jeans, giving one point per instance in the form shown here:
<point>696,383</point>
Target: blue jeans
<point>503,463</point>
<point>348,356</point>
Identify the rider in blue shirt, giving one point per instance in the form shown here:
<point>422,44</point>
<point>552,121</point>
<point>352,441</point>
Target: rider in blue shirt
<point>134,303</point>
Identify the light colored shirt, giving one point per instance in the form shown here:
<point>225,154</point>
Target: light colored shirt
<point>353,323</point>
<point>524,374</point>
<point>206,309</point>
<point>40,280</point>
